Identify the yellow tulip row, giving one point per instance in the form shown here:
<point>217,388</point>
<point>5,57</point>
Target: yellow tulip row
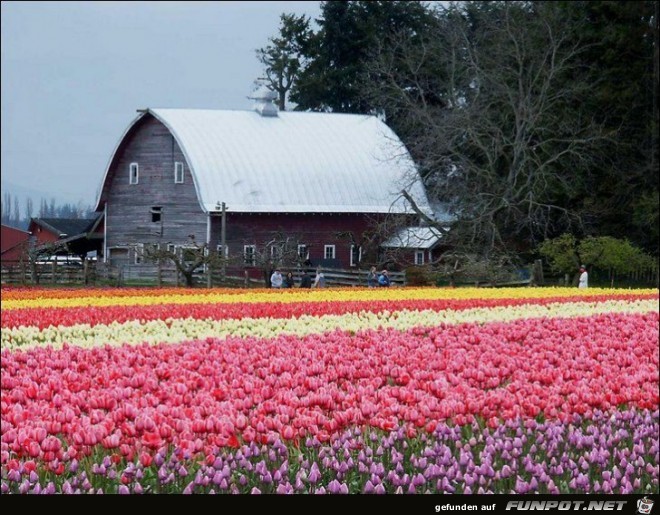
<point>155,296</point>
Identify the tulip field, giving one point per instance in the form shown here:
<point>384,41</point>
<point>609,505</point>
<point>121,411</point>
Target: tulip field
<point>399,390</point>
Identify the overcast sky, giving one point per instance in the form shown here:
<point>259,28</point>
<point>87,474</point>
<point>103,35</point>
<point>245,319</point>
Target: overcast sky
<point>74,73</point>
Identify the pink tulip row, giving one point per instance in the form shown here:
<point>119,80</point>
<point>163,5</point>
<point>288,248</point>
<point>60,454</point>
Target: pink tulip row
<point>207,393</point>
<point>97,315</point>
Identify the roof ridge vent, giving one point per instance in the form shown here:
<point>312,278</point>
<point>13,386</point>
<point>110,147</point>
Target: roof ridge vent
<point>264,101</point>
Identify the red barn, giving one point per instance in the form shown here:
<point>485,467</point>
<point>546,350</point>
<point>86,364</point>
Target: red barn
<point>77,236</point>
<point>318,181</point>
<point>14,244</point>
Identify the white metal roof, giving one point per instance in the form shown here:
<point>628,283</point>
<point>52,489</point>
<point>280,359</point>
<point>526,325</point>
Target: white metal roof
<point>294,162</point>
<point>414,238</point>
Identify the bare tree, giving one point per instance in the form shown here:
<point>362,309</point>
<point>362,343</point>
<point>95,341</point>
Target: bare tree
<point>488,105</point>
<point>28,208</point>
<point>33,255</point>
<point>17,212</point>
<point>6,208</point>
<point>187,260</point>
<point>279,252</point>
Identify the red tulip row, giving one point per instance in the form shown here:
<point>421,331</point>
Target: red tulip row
<point>95,315</point>
<point>202,394</point>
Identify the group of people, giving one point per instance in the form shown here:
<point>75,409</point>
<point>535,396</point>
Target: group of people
<point>278,281</point>
<point>375,279</point>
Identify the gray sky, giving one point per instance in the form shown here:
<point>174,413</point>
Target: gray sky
<point>73,74</point>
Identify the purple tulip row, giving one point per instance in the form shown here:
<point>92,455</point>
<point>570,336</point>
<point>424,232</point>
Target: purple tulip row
<point>610,453</point>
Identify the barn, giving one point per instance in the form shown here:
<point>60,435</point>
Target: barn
<point>14,245</point>
<point>68,236</point>
<point>314,183</point>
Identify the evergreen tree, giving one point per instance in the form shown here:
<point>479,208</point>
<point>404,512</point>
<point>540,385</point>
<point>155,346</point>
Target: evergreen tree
<point>350,33</point>
<point>621,64</point>
<point>284,58</point>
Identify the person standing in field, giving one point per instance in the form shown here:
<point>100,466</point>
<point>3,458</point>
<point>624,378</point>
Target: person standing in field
<point>372,278</point>
<point>305,280</point>
<point>276,279</point>
<point>584,278</point>
<point>384,279</point>
<point>319,282</point>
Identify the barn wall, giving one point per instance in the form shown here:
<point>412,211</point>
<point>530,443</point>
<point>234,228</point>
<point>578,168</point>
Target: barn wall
<point>129,217</point>
<point>313,230</point>
<point>43,236</point>
<point>14,242</point>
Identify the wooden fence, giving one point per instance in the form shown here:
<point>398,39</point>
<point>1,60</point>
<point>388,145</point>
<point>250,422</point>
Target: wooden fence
<point>49,273</point>
<point>101,273</point>
<point>93,273</point>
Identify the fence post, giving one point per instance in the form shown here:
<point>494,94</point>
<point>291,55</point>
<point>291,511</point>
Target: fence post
<point>86,272</point>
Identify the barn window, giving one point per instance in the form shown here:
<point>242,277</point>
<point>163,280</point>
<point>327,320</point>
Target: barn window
<point>171,248</point>
<point>419,257</point>
<point>133,173</point>
<point>219,249</point>
<point>146,252</point>
<point>276,253</point>
<point>156,214</point>
<point>303,252</point>
<point>178,172</point>
<point>329,251</point>
<point>356,255</point>
<point>189,254</point>
<point>249,252</point>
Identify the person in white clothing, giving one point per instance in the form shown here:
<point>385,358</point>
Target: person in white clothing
<point>276,279</point>
<point>584,278</point>
<point>319,282</point>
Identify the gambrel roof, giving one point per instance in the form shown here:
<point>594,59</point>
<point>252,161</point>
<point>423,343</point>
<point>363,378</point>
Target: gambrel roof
<point>291,162</point>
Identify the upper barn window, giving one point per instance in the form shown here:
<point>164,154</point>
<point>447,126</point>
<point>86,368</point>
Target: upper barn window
<point>133,173</point>
<point>178,172</point>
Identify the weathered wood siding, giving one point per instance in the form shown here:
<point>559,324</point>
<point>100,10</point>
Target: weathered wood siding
<point>129,216</point>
